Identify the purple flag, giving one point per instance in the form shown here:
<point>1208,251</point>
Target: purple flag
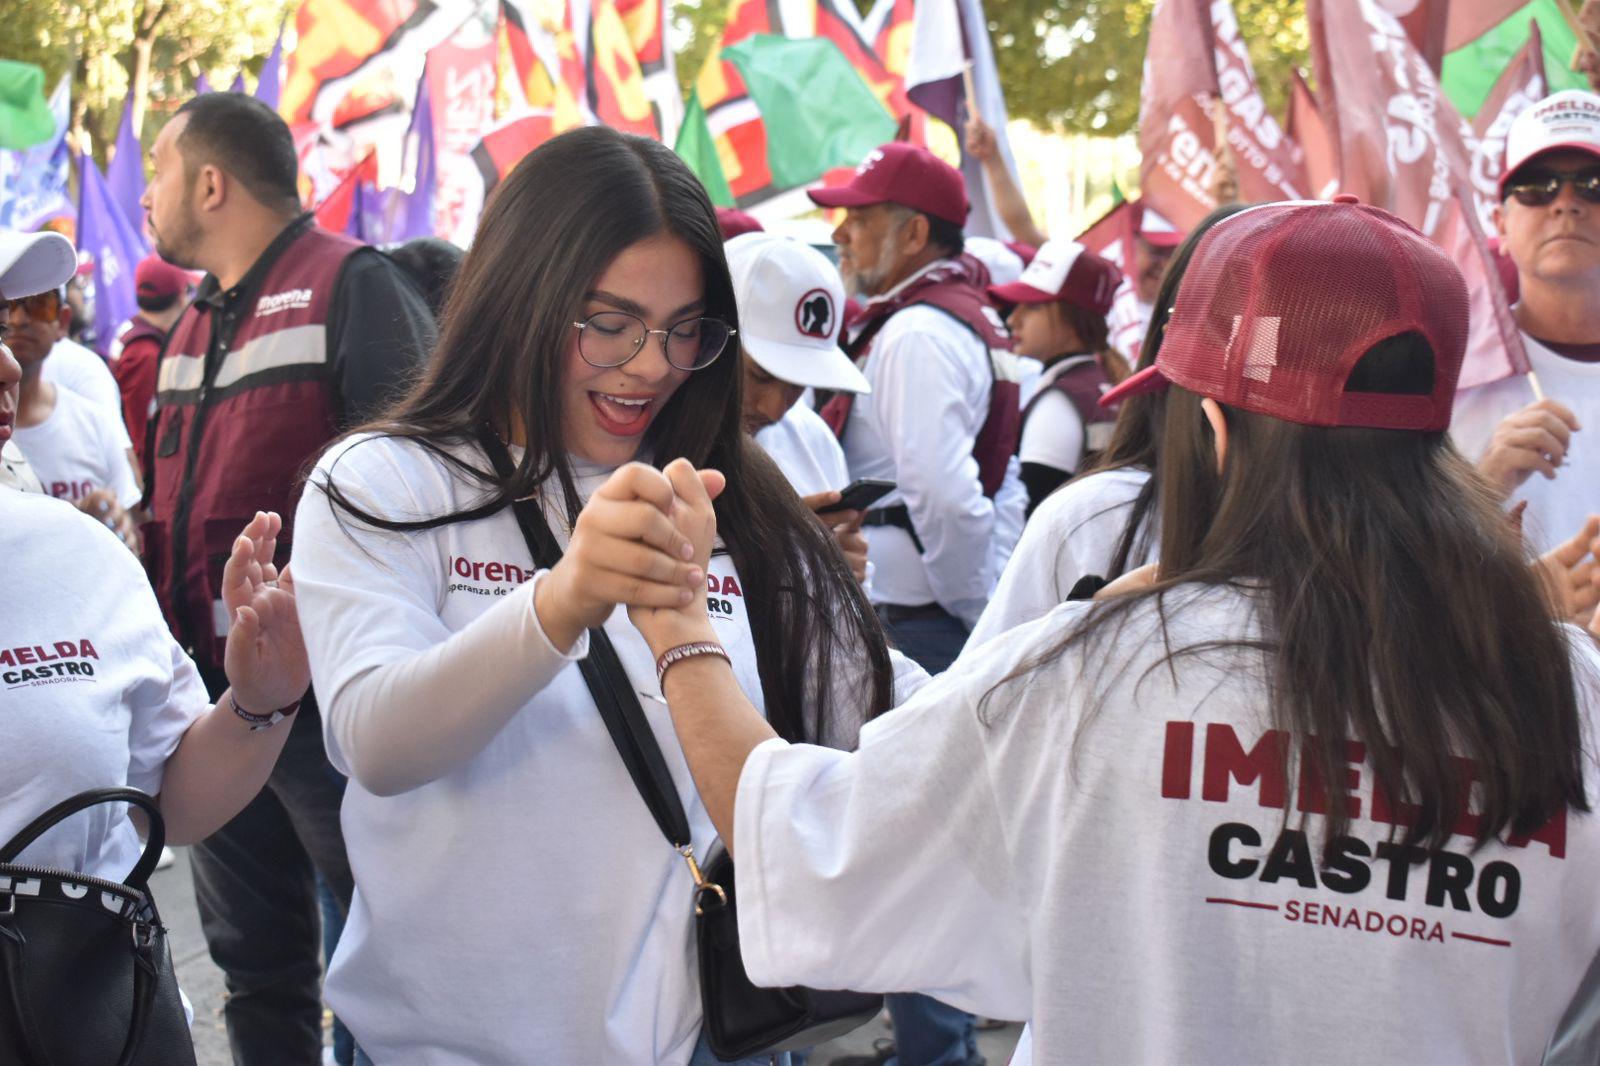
<point>125,175</point>
<point>201,85</point>
<point>270,84</point>
<point>116,247</point>
<point>238,83</point>
<point>410,214</point>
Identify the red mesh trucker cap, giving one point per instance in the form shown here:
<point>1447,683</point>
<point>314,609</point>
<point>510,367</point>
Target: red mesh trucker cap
<point>901,173</point>
<point>1281,301</point>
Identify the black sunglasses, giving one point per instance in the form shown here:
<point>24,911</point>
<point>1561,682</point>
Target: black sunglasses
<point>1540,188</point>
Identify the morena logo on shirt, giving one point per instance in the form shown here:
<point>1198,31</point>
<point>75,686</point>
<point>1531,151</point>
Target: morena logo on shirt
<point>289,300</point>
<point>1447,880</point>
<point>505,575</point>
<point>47,664</point>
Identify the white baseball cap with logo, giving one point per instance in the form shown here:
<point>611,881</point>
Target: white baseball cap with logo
<point>791,305</point>
<point>32,263</point>
<point>1568,119</point>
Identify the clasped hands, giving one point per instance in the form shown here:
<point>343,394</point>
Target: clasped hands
<point>642,541</point>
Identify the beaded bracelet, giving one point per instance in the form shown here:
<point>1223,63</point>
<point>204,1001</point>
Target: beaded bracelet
<point>688,651</point>
<point>259,722</point>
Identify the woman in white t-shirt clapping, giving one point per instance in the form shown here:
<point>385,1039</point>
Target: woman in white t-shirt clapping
<point>1338,756</point>
<point>515,900</point>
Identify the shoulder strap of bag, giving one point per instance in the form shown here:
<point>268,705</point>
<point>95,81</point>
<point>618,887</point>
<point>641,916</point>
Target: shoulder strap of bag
<point>140,876</point>
<point>608,682</point>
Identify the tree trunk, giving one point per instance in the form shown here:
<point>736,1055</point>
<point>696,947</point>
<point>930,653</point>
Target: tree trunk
<point>139,76</point>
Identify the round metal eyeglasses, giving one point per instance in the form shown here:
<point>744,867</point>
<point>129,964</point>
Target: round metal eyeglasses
<point>611,338</point>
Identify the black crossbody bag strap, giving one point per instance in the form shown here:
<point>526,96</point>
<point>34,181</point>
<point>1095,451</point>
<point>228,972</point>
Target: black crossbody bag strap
<point>608,682</point>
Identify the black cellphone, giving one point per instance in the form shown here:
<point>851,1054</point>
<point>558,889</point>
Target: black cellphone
<point>862,493</point>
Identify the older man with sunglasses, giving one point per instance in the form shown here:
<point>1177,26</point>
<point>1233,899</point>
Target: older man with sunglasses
<point>1549,223</point>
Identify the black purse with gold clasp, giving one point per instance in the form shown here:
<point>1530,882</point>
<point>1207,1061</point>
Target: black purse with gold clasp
<point>741,1019</point>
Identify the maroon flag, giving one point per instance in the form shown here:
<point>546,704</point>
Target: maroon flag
<point>1197,62</point>
<point>1520,85</point>
<point>1308,135</point>
<point>1426,22</point>
<point>1470,19</point>
<point>1402,146</point>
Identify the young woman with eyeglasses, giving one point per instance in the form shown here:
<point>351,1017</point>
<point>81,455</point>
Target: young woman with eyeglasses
<point>515,900</point>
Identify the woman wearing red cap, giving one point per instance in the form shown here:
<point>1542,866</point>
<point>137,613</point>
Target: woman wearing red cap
<point>1059,319</point>
<point>1335,758</point>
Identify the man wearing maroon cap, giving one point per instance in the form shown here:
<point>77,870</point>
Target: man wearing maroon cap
<point>938,422</point>
<point>1549,224</point>
<point>160,290</point>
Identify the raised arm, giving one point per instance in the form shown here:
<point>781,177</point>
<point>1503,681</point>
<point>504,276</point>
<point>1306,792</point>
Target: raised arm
<point>1008,199</point>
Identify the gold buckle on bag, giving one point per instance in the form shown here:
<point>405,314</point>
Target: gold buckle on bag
<point>701,885</point>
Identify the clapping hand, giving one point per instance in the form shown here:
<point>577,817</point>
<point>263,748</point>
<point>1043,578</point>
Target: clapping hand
<point>265,658</point>
<point>1571,573</point>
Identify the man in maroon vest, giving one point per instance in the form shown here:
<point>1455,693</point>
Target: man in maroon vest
<point>295,334</point>
<point>942,425</point>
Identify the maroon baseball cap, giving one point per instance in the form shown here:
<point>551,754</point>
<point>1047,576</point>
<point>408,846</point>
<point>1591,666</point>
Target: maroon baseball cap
<point>734,222</point>
<point>1064,270</point>
<point>155,277</point>
<point>901,173</point>
<point>1281,301</point>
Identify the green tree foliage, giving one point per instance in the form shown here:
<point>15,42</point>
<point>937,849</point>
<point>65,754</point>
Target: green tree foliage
<point>159,46</point>
<point>1078,66</point>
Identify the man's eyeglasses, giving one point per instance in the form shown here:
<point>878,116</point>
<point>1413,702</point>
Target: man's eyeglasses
<point>1541,187</point>
<point>43,307</point>
<point>611,338</point>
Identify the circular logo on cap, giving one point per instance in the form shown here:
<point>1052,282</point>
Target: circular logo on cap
<point>814,315</point>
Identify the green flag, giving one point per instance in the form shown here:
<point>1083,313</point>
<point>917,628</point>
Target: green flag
<point>25,118</point>
<point>698,148</point>
<point>817,111</point>
<point>1117,195</point>
<point>1470,71</point>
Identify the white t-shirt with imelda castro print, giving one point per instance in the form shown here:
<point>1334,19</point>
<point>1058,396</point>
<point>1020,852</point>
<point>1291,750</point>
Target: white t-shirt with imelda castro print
<point>521,906</point>
<point>94,692</point>
<point>1111,848</point>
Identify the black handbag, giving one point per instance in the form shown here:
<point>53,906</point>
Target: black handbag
<point>741,1019</point>
<point>85,971</point>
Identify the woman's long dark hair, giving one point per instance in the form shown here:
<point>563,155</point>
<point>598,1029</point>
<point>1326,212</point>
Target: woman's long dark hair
<point>549,230</point>
<point>1397,605</point>
<point>1134,437</point>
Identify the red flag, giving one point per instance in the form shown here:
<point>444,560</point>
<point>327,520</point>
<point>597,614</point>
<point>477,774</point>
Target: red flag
<point>333,213</point>
<point>1308,133</point>
<point>1520,85</point>
<point>1197,61</point>
<point>1403,147</point>
<point>503,147</point>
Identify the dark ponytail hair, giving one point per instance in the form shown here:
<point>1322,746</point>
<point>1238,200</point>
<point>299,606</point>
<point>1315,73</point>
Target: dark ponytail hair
<point>1134,437</point>
<point>1398,609</point>
<point>548,231</point>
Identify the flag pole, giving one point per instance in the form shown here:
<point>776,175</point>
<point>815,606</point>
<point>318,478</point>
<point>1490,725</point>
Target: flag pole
<point>971,89</point>
<point>1577,28</point>
<point>1533,383</point>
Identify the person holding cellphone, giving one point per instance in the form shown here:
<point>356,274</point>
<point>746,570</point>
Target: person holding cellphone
<point>791,305</point>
